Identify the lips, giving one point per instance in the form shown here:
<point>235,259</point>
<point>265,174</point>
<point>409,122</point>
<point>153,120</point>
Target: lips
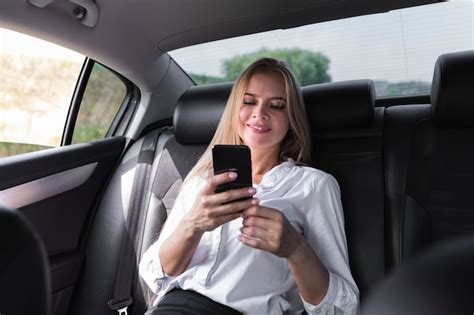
<point>259,129</point>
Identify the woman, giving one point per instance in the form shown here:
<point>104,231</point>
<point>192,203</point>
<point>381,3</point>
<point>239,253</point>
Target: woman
<point>281,251</point>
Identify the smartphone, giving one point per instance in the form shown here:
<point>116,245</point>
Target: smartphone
<point>232,158</point>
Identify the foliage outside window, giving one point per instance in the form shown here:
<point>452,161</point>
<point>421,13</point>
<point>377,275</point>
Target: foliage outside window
<point>102,99</point>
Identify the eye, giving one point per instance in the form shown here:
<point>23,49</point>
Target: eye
<point>249,102</point>
<point>277,105</point>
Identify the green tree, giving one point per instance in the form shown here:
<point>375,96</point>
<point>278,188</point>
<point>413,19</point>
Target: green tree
<point>205,79</point>
<point>308,66</point>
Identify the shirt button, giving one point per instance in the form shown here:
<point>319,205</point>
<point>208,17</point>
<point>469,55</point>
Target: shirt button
<point>318,311</point>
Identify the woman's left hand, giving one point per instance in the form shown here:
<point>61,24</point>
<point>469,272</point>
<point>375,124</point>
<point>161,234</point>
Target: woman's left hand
<point>269,230</point>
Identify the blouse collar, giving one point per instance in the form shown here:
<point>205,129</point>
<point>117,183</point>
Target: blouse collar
<point>274,175</point>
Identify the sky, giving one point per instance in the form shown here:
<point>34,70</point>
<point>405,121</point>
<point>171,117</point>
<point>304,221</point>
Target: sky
<point>411,39</point>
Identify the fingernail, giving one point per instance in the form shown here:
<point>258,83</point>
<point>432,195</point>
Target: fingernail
<point>232,175</point>
<point>255,201</point>
<point>252,190</point>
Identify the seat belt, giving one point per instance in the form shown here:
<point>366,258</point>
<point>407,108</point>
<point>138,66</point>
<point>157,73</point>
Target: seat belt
<point>122,296</point>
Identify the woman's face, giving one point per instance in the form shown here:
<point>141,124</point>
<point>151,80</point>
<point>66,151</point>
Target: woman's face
<point>263,114</point>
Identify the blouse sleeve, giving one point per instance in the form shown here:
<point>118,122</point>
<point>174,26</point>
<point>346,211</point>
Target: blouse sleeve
<point>324,231</point>
<point>150,268</point>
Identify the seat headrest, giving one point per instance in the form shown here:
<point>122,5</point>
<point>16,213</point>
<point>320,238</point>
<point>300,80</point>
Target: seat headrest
<point>340,105</point>
<point>451,90</point>
<point>199,111</point>
<point>336,105</point>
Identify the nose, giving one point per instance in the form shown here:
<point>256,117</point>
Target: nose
<point>260,112</point>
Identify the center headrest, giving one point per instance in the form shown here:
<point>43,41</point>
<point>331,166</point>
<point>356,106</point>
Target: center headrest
<point>451,98</point>
<point>199,111</point>
<point>340,105</point>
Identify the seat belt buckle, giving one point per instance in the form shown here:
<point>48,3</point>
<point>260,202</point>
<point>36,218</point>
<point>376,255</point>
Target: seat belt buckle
<point>121,307</point>
<point>123,311</point>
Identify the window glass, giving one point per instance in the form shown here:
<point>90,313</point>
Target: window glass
<point>37,81</point>
<point>396,49</point>
<point>102,98</point>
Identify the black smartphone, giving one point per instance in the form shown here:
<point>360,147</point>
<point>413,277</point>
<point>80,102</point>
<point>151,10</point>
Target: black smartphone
<point>232,158</point>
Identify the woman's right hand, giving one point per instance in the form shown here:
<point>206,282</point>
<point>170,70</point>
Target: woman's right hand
<point>210,210</point>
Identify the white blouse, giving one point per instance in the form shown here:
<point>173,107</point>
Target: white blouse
<point>253,281</point>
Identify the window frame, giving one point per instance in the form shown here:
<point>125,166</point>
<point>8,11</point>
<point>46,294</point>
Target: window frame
<point>123,116</point>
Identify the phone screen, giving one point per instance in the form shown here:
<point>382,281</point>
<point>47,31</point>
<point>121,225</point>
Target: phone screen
<point>233,158</point>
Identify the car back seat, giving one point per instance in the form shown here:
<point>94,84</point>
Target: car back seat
<point>195,121</point>
<point>429,162</point>
<point>196,117</point>
<point>347,134</point>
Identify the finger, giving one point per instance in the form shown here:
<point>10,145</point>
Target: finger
<point>260,222</point>
<point>231,195</point>
<point>255,232</point>
<point>255,243</point>
<point>236,206</point>
<point>216,180</point>
<point>263,212</point>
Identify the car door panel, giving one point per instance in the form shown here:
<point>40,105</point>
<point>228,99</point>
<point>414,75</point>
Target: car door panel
<point>56,190</point>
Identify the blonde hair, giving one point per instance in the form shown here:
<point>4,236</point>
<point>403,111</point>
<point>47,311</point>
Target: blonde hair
<point>295,145</point>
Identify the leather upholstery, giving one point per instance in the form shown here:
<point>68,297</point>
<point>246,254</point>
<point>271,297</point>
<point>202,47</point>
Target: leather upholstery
<point>354,156</point>
<point>198,112</point>
<point>429,169</point>
<point>451,93</point>
<point>436,282</point>
<point>400,122</point>
<point>340,105</point>
<point>25,284</point>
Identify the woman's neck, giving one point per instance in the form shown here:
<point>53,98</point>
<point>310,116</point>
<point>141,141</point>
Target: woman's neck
<point>262,162</point>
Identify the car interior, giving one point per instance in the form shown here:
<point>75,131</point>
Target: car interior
<point>76,219</point>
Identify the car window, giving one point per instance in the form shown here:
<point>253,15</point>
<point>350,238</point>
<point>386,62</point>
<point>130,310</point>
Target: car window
<point>37,82</point>
<point>104,94</point>
<point>396,49</point>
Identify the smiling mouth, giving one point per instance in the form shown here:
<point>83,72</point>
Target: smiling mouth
<point>259,129</point>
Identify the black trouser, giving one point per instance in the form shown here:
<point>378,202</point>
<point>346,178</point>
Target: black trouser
<point>186,302</point>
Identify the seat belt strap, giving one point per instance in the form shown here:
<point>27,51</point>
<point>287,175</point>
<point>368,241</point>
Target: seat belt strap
<point>122,296</point>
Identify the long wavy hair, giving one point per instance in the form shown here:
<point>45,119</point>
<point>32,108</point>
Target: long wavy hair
<point>295,145</point>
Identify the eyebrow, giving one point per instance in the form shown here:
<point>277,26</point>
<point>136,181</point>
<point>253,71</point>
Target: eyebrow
<point>272,98</point>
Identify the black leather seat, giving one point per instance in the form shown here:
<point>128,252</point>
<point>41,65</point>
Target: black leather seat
<point>429,162</point>
<point>347,134</point>
<point>437,282</point>
<point>349,146</point>
<point>196,117</point>
<point>25,284</point>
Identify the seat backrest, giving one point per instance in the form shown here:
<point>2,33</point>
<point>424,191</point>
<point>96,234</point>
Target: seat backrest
<point>196,117</point>
<point>436,282</point>
<point>429,162</point>
<point>347,134</point>
<point>25,284</point>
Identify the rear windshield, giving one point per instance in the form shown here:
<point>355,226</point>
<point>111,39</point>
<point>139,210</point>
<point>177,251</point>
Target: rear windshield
<point>396,49</point>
